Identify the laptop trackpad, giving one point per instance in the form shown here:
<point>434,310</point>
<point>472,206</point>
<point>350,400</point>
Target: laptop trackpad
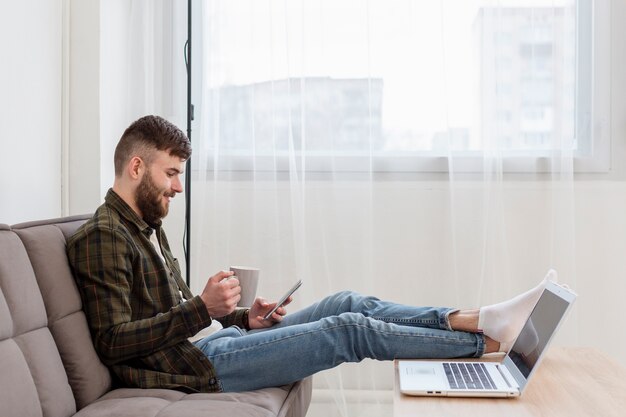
<point>422,375</point>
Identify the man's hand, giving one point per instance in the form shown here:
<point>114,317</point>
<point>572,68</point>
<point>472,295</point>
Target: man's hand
<point>260,308</point>
<point>221,294</point>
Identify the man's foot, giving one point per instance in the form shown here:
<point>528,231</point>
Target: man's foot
<point>502,322</point>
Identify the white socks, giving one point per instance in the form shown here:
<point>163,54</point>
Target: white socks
<point>502,322</point>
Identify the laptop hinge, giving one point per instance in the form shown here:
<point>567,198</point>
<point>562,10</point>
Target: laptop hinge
<point>504,376</point>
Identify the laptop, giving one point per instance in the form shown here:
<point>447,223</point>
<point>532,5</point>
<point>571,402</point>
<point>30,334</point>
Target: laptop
<point>493,379</point>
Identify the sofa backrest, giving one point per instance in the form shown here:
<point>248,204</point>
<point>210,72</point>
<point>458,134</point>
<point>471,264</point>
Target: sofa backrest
<point>49,365</point>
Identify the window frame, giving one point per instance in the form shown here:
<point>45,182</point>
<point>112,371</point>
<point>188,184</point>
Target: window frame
<point>592,113</point>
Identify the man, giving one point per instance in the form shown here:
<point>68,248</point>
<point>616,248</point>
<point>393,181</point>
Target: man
<point>141,313</point>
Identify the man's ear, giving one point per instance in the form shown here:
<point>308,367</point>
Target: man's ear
<point>136,167</point>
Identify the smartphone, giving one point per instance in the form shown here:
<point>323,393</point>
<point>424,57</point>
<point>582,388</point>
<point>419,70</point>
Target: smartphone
<point>283,299</point>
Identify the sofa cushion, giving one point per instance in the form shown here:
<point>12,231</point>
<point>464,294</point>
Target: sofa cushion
<point>287,401</point>
<point>20,286</point>
<point>18,395</point>
<point>89,378</point>
<point>33,379</point>
<point>47,372</point>
<point>6,322</point>
<point>45,245</point>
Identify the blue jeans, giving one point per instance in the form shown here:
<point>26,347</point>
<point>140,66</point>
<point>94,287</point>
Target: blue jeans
<point>344,327</point>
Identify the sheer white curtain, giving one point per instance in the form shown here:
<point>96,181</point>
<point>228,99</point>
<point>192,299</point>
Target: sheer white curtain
<point>142,63</point>
<point>142,71</point>
<point>419,151</point>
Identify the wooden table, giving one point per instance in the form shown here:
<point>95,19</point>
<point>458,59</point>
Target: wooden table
<point>569,382</point>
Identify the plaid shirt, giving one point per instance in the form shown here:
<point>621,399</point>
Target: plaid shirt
<point>138,320</point>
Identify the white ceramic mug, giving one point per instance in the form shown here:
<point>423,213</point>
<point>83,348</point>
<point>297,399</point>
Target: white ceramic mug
<point>248,280</point>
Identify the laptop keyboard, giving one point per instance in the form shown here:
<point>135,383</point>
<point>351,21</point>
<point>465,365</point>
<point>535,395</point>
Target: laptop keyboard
<point>464,375</point>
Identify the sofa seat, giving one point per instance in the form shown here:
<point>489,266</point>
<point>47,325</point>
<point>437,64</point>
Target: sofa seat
<point>168,403</point>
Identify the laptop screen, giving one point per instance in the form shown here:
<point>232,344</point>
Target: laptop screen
<point>536,334</point>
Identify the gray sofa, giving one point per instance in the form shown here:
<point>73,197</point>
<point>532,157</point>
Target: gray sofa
<point>48,366</point>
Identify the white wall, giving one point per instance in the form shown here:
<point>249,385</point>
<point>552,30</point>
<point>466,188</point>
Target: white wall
<point>114,118</point>
<point>30,109</point>
<point>33,119</point>
<point>85,161</point>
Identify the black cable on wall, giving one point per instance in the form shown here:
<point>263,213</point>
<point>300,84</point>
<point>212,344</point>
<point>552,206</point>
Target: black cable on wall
<point>187,238</point>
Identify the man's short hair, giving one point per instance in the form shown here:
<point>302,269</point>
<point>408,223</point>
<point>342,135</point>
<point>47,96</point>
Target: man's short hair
<point>149,134</point>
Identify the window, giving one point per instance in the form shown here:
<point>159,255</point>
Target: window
<point>402,85</point>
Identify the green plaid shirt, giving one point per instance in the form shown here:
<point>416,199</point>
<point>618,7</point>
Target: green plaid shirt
<point>138,319</point>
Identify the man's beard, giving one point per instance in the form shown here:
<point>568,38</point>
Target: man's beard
<point>149,200</point>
